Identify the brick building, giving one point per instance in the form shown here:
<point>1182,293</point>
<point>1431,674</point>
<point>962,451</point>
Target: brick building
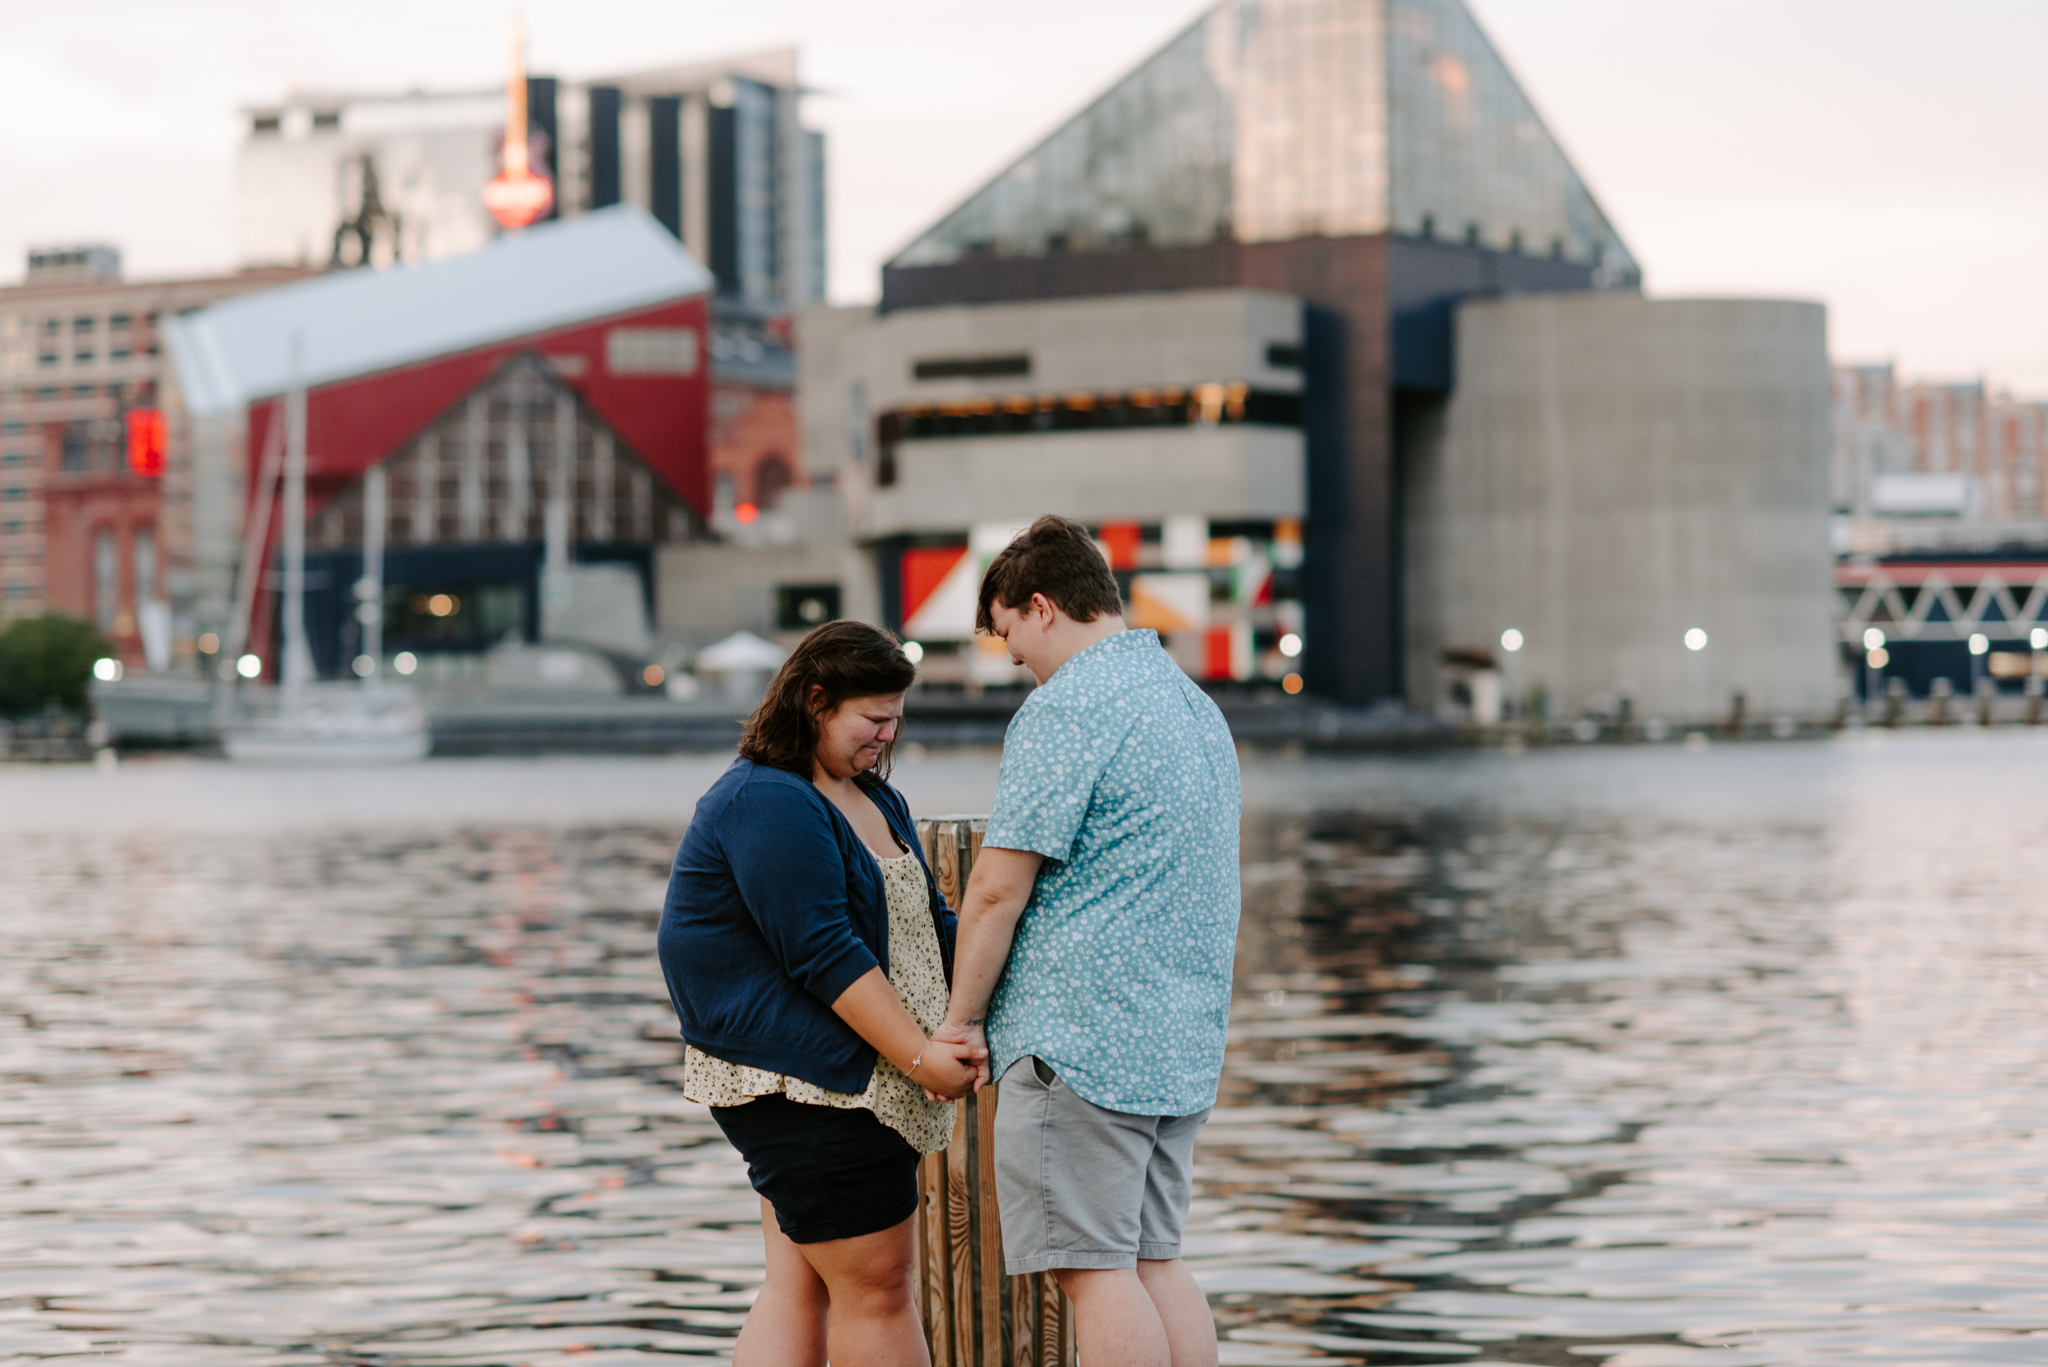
<point>1925,450</point>
<point>81,531</point>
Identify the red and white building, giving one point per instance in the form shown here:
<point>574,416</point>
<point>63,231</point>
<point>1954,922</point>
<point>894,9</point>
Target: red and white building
<point>557,379</point>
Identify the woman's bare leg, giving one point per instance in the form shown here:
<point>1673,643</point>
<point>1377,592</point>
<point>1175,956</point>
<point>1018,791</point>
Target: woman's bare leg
<point>871,1322</point>
<point>786,1327</point>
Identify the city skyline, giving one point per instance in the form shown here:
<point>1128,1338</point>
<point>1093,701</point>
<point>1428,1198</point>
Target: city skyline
<point>1880,166</point>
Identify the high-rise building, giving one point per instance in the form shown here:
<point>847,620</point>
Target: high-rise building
<point>715,151</point>
<point>1375,159</point>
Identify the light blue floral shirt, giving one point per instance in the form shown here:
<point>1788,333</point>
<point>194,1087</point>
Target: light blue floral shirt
<point>1121,772</point>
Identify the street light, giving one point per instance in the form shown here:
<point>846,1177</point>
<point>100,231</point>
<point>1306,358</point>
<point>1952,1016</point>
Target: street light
<point>1873,639</point>
<point>249,666</point>
<point>2038,638</point>
<point>1979,643</point>
<point>1511,640</point>
<point>1695,639</point>
<point>1290,645</point>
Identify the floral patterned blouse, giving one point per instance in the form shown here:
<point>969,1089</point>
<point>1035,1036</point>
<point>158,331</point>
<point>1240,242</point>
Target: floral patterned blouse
<point>917,972</point>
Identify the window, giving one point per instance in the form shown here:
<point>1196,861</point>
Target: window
<point>1283,356</point>
<point>83,323</point>
<point>799,607</point>
<point>264,124</point>
<point>970,367</point>
<point>15,458</point>
<point>82,358</point>
<point>650,351</point>
<point>81,391</point>
<point>49,391</point>
<point>13,493</point>
<point>13,429</point>
<point>143,554</point>
<point>106,584</point>
<point>118,320</point>
<point>47,358</point>
<point>52,326</point>
<point>327,119</point>
<point>119,353</point>
<point>20,591</point>
<point>13,526</point>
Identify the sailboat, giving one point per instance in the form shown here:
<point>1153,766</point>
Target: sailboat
<point>369,721</point>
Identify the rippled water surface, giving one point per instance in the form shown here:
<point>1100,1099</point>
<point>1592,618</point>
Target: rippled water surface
<point>1644,1057</point>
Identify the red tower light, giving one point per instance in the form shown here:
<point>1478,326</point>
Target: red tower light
<point>148,440</point>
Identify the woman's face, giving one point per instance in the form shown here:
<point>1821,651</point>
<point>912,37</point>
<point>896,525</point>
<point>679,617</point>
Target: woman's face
<point>851,735</point>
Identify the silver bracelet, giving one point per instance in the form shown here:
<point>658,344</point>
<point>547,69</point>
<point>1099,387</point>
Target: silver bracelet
<point>919,1059</point>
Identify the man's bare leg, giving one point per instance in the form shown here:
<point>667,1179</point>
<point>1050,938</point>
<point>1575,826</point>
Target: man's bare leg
<point>1115,1321</point>
<point>1183,1311</point>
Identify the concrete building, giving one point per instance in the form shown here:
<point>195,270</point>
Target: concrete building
<point>1612,475</point>
<point>1374,159</point>
<point>1170,422</point>
<point>83,529</point>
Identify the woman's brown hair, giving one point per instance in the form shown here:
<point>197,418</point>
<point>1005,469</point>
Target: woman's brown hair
<point>846,660</point>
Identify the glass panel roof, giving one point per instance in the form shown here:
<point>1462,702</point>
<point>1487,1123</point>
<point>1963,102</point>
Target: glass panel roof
<point>1268,120</point>
<point>1472,161</point>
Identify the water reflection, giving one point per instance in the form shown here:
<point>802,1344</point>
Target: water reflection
<point>1649,1058</point>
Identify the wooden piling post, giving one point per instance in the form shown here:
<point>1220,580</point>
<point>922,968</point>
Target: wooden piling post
<point>973,1315</point>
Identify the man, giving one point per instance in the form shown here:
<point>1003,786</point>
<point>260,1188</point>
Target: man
<point>1094,950</point>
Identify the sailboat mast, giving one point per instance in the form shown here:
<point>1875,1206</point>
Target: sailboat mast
<point>298,659</point>
<point>370,588</point>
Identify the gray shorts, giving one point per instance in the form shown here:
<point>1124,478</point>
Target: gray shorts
<point>1084,1187</point>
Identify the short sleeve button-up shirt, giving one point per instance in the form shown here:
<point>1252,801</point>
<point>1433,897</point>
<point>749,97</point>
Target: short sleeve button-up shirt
<point>1122,773</point>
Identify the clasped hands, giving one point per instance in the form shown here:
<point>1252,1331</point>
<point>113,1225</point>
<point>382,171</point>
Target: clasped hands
<point>955,1062</point>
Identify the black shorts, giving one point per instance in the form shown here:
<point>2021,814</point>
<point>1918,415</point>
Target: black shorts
<point>829,1173</point>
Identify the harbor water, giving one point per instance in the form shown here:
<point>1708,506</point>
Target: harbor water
<point>1645,1056</point>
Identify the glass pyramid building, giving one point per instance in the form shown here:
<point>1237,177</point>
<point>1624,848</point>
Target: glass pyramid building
<point>1279,120</point>
<point>1374,159</point>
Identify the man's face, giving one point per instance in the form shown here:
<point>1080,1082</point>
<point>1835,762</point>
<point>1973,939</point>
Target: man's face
<point>1024,631</point>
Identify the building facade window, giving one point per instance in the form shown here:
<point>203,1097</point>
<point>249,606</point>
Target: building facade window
<point>106,578</point>
<point>143,556</point>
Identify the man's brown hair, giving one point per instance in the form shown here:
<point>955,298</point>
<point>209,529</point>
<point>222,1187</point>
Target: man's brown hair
<point>1055,556</point>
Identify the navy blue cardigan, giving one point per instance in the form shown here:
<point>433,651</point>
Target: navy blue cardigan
<point>774,908</point>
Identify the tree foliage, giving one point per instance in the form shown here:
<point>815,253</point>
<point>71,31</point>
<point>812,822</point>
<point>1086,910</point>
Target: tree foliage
<point>47,659</point>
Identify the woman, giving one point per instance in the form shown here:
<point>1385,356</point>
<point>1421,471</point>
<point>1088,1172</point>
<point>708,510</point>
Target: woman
<point>806,951</point>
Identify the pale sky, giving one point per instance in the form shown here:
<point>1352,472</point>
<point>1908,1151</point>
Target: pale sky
<point>1886,157</point>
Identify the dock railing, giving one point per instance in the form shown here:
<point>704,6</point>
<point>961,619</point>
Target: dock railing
<point>973,1315</point>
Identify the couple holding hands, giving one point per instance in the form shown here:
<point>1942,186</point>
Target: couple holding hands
<point>829,1000</point>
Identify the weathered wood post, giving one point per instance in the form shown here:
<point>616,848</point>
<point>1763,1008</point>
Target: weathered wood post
<point>973,1315</point>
